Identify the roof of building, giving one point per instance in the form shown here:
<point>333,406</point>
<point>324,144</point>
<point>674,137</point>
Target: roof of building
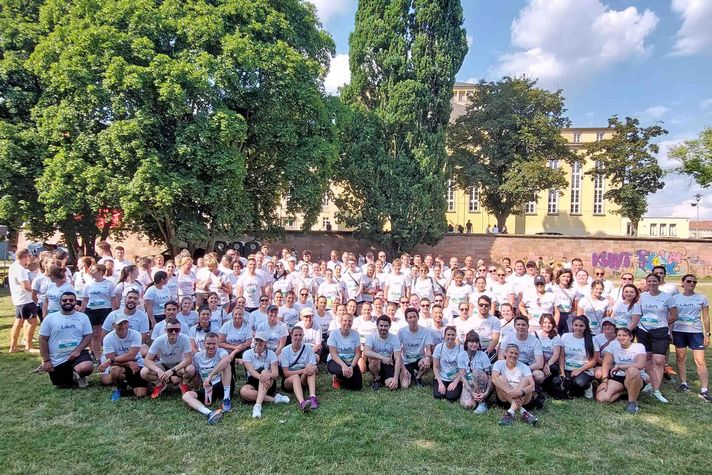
<point>704,225</point>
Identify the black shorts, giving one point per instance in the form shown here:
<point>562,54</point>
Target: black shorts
<point>97,315</point>
<point>412,368</point>
<point>218,393</point>
<point>63,375</point>
<point>255,383</point>
<point>26,311</point>
<point>134,380</point>
<point>619,378</point>
<point>387,371</point>
<point>655,341</point>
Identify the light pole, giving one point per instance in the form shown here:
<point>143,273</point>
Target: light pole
<point>696,204</point>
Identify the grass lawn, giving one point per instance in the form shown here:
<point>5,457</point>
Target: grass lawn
<point>44,430</point>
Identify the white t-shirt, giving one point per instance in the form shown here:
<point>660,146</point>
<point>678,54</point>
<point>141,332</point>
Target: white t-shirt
<point>274,334</point>
<point>414,343</point>
<point>447,357</point>
<point>160,329</point>
<point>365,328</point>
<point>623,356</point>
<point>345,345</point>
<point>330,290</point>
<point>689,312</point>
<point>123,288</point>
<point>186,285</point>
<point>513,376</point>
<point>595,310</point>
<point>623,315</point>
<point>437,335</point>
<point>170,354</point>
<point>656,310</point>
<point>600,341</point>
<point>120,346</point>
<point>217,318</point>
<point>463,327</point>
<point>53,295</point>
<point>424,288</point>
<point>40,284</point>
<point>353,281</point>
<point>204,364</point>
<point>457,295</point>
<point>574,351</point>
<point>190,319</point>
<point>261,361</point>
<point>486,328</point>
<point>501,292</point>
<point>236,336</point>
<point>322,323</point>
<point>251,289</point>
<point>297,360</point>
<point>289,315</point>
<point>528,349</point>
<point>384,347</point>
<point>138,321</point>
<point>396,286</point>
<point>65,333</point>
<point>312,336</point>
<point>17,275</point>
<point>479,361</point>
<point>537,305</point>
<point>548,344</point>
<point>564,299</point>
<point>197,334</point>
<point>158,298</point>
<point>98,293</point>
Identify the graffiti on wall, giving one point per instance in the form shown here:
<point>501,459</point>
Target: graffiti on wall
<point>641,261</point>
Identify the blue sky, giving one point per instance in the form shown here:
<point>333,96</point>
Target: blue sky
<point>645,59</point>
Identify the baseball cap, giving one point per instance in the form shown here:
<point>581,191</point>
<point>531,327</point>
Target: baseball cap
<point>608,320</point>
<point>272,307</point>
<point>539,279</point>
<point>306,311</point>
<point>121,318</point>
<point>261,336</point>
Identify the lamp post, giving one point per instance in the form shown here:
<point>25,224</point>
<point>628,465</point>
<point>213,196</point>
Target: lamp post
<point>696,204</point>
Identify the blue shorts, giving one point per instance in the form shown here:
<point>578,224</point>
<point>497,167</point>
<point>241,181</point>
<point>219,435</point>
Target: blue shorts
<point>693,341</point>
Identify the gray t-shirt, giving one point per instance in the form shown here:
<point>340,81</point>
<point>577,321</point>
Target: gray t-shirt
<point>345,345</point>
<point>288,358</point>
<point>170,354</point>
<point>120,346</point>
<point>414,343</point>
<point>386,347</point>
<point>204,364</point>
<point>447,357</point>
<point>65,332</point>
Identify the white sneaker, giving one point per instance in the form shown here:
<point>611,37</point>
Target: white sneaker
<point>647,389</point>
<point>588,393</point>
<point>281,399</point>
<point>82,382</point>
<point>481,408</point>
<point>659,396</point>
<point>257,411</point>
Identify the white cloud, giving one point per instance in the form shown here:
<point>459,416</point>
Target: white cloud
<point>655,112</point>
<point>339,74</point>
<point>330,9</point>
<point>706,103</point>
<point>470,40</point>
<point>676,197</point>
<point>562,40</point>
<point>695,34</point>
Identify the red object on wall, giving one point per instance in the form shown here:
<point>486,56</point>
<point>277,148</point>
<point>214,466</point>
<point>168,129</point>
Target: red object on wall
<point>113,216</point>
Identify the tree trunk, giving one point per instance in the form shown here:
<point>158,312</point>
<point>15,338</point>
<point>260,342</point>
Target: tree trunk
<point>501,220</point>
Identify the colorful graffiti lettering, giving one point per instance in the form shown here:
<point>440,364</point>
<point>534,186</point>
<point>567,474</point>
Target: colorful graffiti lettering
<point>676,261</point>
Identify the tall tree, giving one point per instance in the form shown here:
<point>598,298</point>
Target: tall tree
<point>404,55</point>
<point>627,160</point>
<point>696,157</point>
<point>504,141</point>
<point>196,118</point>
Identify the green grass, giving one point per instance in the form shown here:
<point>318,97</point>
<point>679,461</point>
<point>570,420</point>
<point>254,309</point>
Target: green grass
<point>44,430</point>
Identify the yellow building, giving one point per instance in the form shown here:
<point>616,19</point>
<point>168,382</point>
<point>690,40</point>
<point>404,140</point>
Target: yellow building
<point>579,209</point>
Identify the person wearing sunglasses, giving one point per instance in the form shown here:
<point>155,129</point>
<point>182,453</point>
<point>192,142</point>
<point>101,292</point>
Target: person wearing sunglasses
<point>536,303</point>
<point>501,290</point>
<point>305,300</point>
<point>600,274</point>
<point>169,360</point>
<point>122,361</point>
<point>487,327</point>
<point>617,292</point>
<point>692,330</point>
<point>64,338</point>
<point>259,316</point>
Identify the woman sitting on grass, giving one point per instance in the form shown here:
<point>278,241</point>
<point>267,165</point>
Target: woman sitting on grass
<point>623,362</point>
<point>514,386</point>
<point>475,368</point>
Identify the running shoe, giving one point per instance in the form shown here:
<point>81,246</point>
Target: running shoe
<point>305,405</point>
<point>215,416</point>
<point>669,373</point>
<point>419,383</point>
<point>632,408</point>
<point>375,385</point>
<point>257,411</point>
<point>158,390</point>
<point>281,399</point>
<point>37,370</point>
<point>647,389</point>
<point>184,388</point>
<point>116,395</point>
<point>314,402</point>
<point>588,393</point>
<point>529,418</point>
<point>683,387</point>
<point>82,382</point>
<point>335,383</point>
<point>227,405</point>
<point>659,396</point>
<point>706,396</point>
<point>507,419</point>
<point>481,408</point>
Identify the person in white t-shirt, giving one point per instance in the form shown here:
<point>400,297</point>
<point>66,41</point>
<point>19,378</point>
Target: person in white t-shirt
<point>298,364</point>
<point>475,368</point>
<point>447,381</point>
<point>21,294</point>
<point>122,361</point>
<point>394,284</point>
<point>577,358</point>
<point>514,386</point>
<point>595,306</point>
<point>457,292</point>
<point>212,365</point>
<point>261,365</point>
<point>344,354</point>
<point>623,362</point>
<point>169,360</point>
<point>383,351</point>
<point>692,330</point>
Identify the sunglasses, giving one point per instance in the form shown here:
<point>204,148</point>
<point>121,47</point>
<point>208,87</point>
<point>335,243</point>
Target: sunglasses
<point>304,295</point>
<point>404,302</point>
<point>264,300</point>
<point>67,300</point>
<point>626,278</point>
<point>172,330</point>
<point>483,304</point>
<point>690,281</point>
<point>599,273</point>
<point>501,275</point>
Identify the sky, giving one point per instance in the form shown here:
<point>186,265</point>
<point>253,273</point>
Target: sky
<point>645,59</point>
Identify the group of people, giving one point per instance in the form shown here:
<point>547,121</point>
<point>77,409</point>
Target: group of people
<point>484,333</point>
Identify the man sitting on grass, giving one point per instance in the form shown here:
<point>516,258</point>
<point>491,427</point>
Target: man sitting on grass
<point>122,361</point>
<point>213,367</point>
<point>169,360</point>
<point>64,339</point>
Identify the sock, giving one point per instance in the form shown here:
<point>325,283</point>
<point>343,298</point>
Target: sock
<point>204,411</point>
<point>511,411</point>
<point>226,392</point>
<point>258,405</point>
<point>703,390</point>
<point>522,410</point>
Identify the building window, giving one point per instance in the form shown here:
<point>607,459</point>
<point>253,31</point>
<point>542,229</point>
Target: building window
<point>576,188</point>
<point>474,199</point>
<point>461,96</point>
<point>598,189</point>
<point>530,207</point>
<point>653,229</point>
<point>325,200</point>
<point>450,195</point>
<point>663,229</point>
<point>552,206</point>
<point>630,230</point>
<point>672,230</point>
<point>577,137</point>
<point>599,136</point>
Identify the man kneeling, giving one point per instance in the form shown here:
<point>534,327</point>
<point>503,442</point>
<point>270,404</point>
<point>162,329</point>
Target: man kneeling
<point>383,350</point>
<point>122,362</point>
<point>169,360</point>
<point>299,367</point>
<point>212,365</point>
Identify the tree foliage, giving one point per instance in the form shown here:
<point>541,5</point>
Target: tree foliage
<point>404,55</point>
<point>195,118</point>
<point>627,161</point>
<point>503,143</point>
<point>696,158</point>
